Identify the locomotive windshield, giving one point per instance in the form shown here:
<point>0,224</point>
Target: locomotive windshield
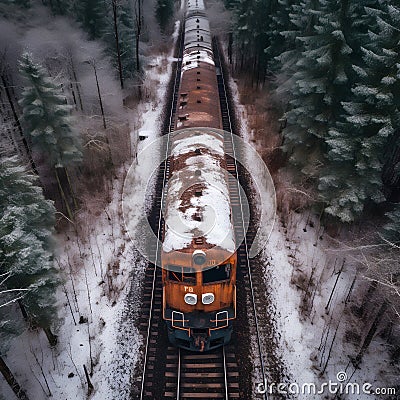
<point>181,274</point>
<point>218,273</point>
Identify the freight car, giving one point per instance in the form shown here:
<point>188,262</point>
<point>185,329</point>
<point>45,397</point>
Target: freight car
<point>198,254</point>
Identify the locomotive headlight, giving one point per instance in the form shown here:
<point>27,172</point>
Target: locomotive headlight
<point>191,299</point>
<point>207,298</point>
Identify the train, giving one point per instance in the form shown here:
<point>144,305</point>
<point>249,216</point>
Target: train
<point>198,255</point>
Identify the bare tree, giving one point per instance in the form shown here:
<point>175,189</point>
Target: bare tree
<point>115,19</point>
<point>138,12</point>
<point>74,78</point>
<point>92,63</point>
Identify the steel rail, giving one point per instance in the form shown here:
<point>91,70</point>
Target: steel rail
<point>225,374</point>
<point>178,393</point>
<point>243,227</point>
<point>159,228</point>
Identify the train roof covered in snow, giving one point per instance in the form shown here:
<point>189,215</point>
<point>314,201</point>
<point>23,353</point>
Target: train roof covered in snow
<point>194,6</point>
<point>198,209</point>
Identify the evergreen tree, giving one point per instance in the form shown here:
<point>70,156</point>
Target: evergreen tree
<point>252,34</point>
<point>20,3</point>
<point>280,26</point>
<point>10,328</point>
<point>302,21</point>
<point>164,12</point>
<point>23,3</point>
<point>26,229</point>
<point>320,83</point>
<point>358,145</point>
<point>121,48</point>
<point>61,7</point>
<point>91,14</point>
<point>46,118</point>
<point>230,4</point>
<point>392,227</point>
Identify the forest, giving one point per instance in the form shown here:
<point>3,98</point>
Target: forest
<point>324,75</point>
<point>331,69</point>
<point>66,89</point>
<point>333,73</point>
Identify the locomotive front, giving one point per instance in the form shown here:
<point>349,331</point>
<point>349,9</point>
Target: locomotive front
<point>198,254</point>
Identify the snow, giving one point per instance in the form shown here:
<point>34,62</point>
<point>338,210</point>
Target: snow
<point>191,23</point>
<point>212,207</point>
<point>202,139</point>
<point>194,5</point>
<point>102,275</point>
<point>192,58</point>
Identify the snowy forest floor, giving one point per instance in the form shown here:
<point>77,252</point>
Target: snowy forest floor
<point>99,264</point>
<point>311,277</point>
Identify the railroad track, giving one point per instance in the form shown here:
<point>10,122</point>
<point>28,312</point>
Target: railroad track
<point>151,324</point>
<point>211,375</point>
<point>241,215</point>
<point>172,373</point>
<point>259,315</point>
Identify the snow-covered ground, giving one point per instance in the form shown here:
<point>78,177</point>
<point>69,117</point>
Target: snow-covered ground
<point>302,265</point>
<point>98,267</point>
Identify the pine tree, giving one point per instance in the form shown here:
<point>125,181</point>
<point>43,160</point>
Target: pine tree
<point>392,227</point>
<point>358,145</point>
<point>280,23</point>
<point>10,328</point>
<point>164,12</point>
<point>46,118</point>
<point>90,13</point>
<point>302,21</point>
<point>60,7</point>
<point>230,4</point>
<point>252,34</point>
<point>26,229</point>
<point>319,83</point>
<point>19,3</point>
<point>120,38</point>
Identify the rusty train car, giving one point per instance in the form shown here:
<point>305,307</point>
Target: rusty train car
<point>198,254</point>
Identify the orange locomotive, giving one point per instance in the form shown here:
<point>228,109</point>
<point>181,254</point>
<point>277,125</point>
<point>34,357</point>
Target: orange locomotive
<point>198,255</point>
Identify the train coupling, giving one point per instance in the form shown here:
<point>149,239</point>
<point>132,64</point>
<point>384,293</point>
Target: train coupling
<point>200,340</point>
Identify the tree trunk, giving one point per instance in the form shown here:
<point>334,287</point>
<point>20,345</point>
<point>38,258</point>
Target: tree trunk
<point>230,45</point>
<point>100,99</point>
<point>16,119</point>
<point>63,196</point>
<point>90,386</point>
<point>71,192</point>
<point>138,12</point>
<point>367,298</point>
<point>73,94</point>
<point>371,332</point>
<point>114,6</point>
<point>51,337</point>
<point>9,377</point>
<point>139,22</point>
<point>76,82</point>
<point>23,310</point>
